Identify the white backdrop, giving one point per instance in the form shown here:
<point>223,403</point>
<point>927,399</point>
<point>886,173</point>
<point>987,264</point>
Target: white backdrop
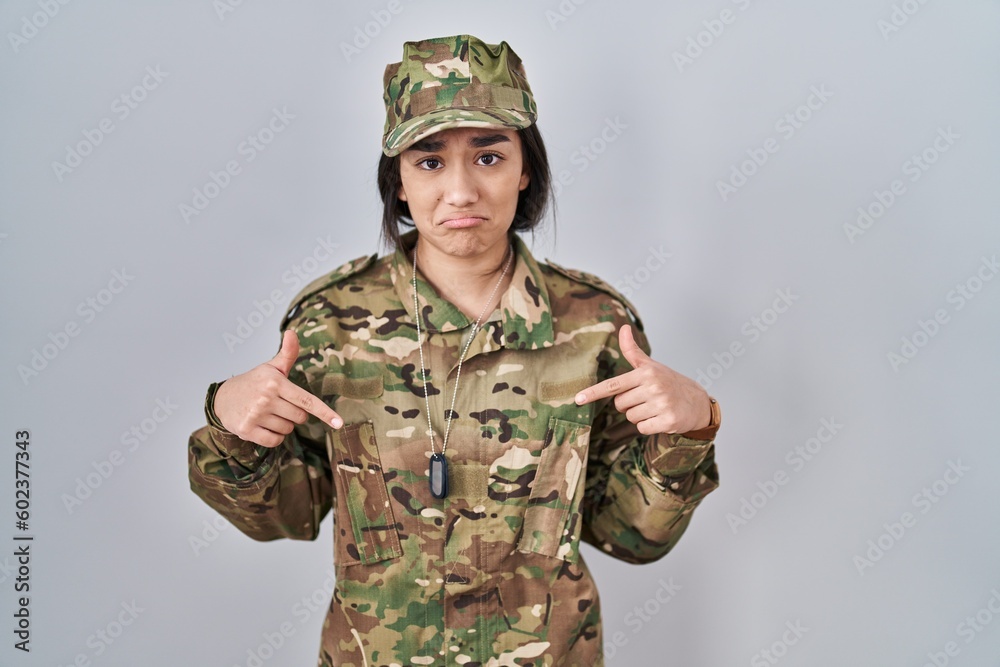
<point>800,198</point>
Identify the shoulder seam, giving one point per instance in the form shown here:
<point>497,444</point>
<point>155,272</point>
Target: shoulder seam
<point>599,284</point>
<point>343,271</point>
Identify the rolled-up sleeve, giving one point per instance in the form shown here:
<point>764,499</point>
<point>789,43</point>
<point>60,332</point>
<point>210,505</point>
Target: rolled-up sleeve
<point>641,490</point>
<point>267,493</point>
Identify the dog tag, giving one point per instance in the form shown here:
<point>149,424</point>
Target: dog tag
<point>439,476</point>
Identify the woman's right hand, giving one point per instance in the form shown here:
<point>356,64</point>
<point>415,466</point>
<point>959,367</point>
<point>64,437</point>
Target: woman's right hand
<point>262,405</point>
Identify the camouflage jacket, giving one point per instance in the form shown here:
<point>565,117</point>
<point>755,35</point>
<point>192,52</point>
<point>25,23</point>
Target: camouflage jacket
<point>492,574</point>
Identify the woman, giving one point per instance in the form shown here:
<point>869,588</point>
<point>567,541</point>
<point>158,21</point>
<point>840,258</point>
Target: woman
<point>468,413</point>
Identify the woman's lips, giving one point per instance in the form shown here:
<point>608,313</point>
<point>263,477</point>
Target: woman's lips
<point>459,223</point>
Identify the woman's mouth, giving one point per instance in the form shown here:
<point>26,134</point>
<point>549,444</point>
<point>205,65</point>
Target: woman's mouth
<point>459,223</point>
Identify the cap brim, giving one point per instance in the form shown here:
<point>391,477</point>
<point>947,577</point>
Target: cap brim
<point>411,131</point>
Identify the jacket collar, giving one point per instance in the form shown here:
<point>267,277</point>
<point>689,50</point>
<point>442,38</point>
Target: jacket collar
<point>524,313</point>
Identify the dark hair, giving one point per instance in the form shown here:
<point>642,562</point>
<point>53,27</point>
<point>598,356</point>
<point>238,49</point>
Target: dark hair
<point>532,202</point>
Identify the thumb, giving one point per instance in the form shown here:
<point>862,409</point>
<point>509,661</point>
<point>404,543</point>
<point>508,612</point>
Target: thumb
<point>288,353</point>
<point>630,349</point>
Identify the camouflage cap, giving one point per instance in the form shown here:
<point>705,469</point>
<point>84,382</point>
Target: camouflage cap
<point>453,81</point>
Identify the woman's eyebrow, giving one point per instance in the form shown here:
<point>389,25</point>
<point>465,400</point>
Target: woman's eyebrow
<point>433,145</point>
<point>428,145</point>
<point>488,140</point>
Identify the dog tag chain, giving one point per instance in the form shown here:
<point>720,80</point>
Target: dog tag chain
<point>438,479</point>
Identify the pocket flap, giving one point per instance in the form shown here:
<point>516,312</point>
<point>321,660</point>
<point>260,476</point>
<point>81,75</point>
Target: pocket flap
<point>556,492</point>
<point>363,489</point>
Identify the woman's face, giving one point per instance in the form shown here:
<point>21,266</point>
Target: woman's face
<point>461,186</point>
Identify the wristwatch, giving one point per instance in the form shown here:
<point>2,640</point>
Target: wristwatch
<point>716,413</point>
<point>714,421</point>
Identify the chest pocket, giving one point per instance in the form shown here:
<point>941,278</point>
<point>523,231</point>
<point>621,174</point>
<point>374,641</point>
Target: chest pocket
<point>552,519</point>
<point>365,527</point>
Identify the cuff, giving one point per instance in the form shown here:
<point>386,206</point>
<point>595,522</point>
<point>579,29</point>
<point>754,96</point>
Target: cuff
<point>228,445</point>
<point>668,457</point>
<point>672,455</point>
<point>210,416</point>
<point>707,433</point>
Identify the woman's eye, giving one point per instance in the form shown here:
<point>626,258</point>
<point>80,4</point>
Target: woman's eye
<point>430,163</point>
<point>490,159</point>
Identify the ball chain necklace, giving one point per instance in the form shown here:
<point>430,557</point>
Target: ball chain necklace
<point>438,479</point>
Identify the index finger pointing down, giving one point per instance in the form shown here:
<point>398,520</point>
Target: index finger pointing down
<point>296,395</point>
<point>609,387</point>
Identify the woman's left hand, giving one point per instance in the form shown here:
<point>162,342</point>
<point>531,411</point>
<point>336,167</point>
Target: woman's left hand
<point>654,397</point>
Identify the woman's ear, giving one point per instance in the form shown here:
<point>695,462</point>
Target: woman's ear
<point>525,179</point>
<point>401,195</point>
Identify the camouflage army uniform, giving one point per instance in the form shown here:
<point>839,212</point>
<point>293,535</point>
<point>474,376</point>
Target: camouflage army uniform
<point>492,574</point>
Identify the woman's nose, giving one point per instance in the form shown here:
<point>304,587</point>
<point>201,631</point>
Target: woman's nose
<point>460,187</point>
